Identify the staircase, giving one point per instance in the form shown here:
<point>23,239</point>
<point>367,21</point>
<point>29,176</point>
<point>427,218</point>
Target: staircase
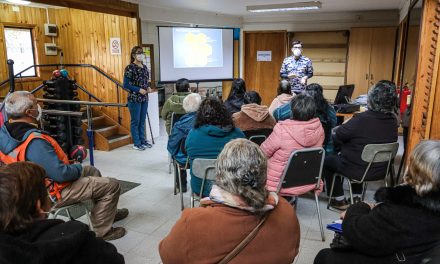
<point>108,134</point>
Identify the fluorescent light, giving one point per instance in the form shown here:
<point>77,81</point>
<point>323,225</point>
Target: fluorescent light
<point>19,2</point>
<point>314,5</point>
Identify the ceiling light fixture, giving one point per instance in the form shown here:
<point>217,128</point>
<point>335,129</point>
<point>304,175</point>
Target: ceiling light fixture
<point>314,5</point>
<point>19,2</point>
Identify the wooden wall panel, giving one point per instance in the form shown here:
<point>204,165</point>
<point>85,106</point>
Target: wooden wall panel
<point>84,38</point>
<point>32,18</point>
<point>426,110</point>
<point>263,76</point>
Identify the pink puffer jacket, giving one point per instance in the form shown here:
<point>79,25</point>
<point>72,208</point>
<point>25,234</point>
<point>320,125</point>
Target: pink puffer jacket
<point>287,136</point>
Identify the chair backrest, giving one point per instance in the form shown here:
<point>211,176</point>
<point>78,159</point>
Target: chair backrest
<point>258,139</point>
<point>203,169</point>
<point>374,153</point>
<point>303,168</point>
<point>379,152</point>
<point>174,118</point>
<point>258,136</point>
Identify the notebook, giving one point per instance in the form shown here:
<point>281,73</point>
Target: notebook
<point>336,226</point>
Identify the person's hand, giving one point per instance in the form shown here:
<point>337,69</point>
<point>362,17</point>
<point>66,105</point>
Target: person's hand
<point>303,80</point>
<point>143,91</point>
<point>291,75</point>
<point>149,90</point>
<point>342,215</point>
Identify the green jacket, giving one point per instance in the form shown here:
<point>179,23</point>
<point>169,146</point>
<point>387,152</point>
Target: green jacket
<point>173,104</point>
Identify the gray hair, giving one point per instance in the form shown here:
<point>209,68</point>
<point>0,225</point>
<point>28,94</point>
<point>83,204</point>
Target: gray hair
<point>191,102</point>
<point>17,103</point>
<point>382,97</point>
<point>241,169</point>
<point>423,172</point>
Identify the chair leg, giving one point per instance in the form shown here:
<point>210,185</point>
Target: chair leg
<point>331,191</point>
<point>175,178</point>
<point>319,218</point>
<point>170,162</point>
<point>351,192</point>
<point>88,218</point>
<point>191,200</point>
<point>364,190</point>
<point>179,178</point>
<point>68,214</point>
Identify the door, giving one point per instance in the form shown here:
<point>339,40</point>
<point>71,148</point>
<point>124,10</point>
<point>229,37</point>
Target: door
<point>263,76</point>
<point>358,68</point>
<point>382,54</point>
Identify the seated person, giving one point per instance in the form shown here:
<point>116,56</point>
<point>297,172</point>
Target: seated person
<point>174,103</point>
<point>180,131</point>
<point>238,202</point>
<point>253,115</point>
<point>20,140</point>
<point>27,236</point>
<point>236,97</point>
<point>284,96</point>
<point>325,112</point>
<point>404,225</point>
<point>378,125</point>
<point>304,130</point>
<point>212,130</point>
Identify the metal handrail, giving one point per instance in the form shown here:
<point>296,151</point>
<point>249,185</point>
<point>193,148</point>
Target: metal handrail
<point>12,77</point>
<point>68,65</point>
<point>80,102</point>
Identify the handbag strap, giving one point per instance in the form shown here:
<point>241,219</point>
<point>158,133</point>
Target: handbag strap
<point>243,243</point>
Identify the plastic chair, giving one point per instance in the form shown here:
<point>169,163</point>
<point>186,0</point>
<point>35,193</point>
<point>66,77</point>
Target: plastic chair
<point>258,136</point>
<point>372,153</point>
<point>76,206</point>
<point>303,168</point>
<point>203,169</point>
<point>174,118</point>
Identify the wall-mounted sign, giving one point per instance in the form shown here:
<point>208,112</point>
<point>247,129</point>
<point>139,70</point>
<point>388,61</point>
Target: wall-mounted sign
<point>115,46</point>
<point>264,55</point>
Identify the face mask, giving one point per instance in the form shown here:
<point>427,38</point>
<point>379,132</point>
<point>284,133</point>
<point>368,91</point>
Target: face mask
<point>140,57</point>
<point>297,52</point>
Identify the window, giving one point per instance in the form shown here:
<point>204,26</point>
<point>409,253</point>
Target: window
<point>20,48</point>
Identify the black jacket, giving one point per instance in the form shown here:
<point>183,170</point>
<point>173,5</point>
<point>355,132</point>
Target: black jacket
<point>57,242</point>
<point>233,104</point>
<point>403,222</point>
<point>365,128</point>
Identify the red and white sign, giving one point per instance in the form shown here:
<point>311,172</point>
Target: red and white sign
<point>115,46</point>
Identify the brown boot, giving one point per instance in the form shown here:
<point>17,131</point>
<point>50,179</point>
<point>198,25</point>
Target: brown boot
<point>114,233</point>
<point>121,214</point>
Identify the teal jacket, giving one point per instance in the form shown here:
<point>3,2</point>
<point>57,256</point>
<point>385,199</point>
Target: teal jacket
<point>207,142</point>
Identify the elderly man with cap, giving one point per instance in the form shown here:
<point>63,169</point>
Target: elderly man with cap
<point>20,140</point>
<point>378,125</point>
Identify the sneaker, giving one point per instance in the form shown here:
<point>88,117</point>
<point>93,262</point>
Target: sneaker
<point>138,147</point>
<point>147,145</point>
<point>121,214</point>
<point>340,205</point>
<point>114,233</point>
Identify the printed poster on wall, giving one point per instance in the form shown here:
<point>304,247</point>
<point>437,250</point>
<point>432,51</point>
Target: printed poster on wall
<point>264,55</point>
<point>115,46</point>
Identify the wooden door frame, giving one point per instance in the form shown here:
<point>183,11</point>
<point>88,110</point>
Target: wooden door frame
<point>258,31</point>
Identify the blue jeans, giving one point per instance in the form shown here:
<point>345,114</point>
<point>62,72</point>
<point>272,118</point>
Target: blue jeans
<point>138,113</point>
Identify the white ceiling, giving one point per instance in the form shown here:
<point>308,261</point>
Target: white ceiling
<point>238,7</point>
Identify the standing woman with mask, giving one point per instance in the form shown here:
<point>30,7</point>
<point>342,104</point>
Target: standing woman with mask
<point>136,78</point>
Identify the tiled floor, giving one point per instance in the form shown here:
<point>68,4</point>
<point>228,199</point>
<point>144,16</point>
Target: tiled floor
<point>154,209</point>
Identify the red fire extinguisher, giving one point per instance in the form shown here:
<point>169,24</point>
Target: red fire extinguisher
<point>404,99</point>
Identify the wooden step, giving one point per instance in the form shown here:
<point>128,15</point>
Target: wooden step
<point>108,134</point>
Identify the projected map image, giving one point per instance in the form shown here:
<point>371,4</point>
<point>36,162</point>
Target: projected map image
<point>197,47</point>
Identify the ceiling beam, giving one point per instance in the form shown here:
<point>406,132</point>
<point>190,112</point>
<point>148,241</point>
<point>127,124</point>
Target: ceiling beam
<point>114,7</point>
